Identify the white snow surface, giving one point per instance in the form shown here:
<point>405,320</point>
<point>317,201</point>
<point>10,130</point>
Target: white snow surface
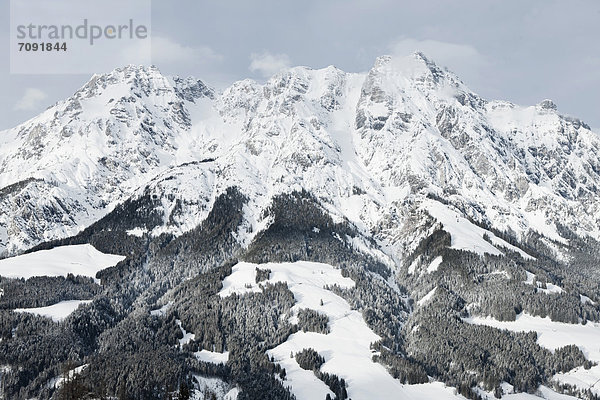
<point>346,348</point>
<point>137,232</point>
<point>542,392</point>
<point>212,356</point>
<point>370,146</point>
<point>435,263</point>
<point>187,336</point>
<point>57,382</point>
<point>202,355</point>
<point>530,278</point>
<point>582,378</point>
<point>585,300</point>
<point>465,234</point>
<point>57,312</point>
<point>550,287</point>
<point>162,311</point>
<point>82,259</point>
<point>551,334</point>
<point>427,297</point>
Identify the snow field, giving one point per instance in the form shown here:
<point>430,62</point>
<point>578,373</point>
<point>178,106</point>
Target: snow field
<point>57,312</point>
<point>435,264</point>
<point>81,259</point>
<point>466,235</point>
<point>427,297</point>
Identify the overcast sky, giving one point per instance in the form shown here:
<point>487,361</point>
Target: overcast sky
<point>523,51</point>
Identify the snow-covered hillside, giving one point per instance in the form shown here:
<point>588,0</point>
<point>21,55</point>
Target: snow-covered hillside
<point>57,312</point>
<point>346,348</point>
<point>82,260</point>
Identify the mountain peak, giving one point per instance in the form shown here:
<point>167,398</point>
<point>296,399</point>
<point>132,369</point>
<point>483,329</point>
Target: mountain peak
<point>191,88</point>
<point>415,67</point>
<point>547,104</point>
<point>147,78</point>
<point>415,59</point>
<point>420,56</point>
<point>130,70</point>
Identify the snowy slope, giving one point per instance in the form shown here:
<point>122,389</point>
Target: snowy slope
<point>465,234</point>
<point>81,259</point>
<point>57,312</point>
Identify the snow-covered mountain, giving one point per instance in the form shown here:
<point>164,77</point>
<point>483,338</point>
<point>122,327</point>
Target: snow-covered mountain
<point>67,167</point>
<point>367,145</point>
<point>322,234</point>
